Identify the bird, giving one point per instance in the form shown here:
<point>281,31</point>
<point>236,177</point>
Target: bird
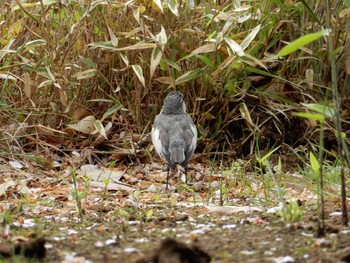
<point>174,134</point>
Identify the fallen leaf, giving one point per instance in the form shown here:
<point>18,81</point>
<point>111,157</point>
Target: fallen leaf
<point>85,125</point>
<point>99,174</point>
<point>112,186</point>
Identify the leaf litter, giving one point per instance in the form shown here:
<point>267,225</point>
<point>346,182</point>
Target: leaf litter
<point>128,217</point>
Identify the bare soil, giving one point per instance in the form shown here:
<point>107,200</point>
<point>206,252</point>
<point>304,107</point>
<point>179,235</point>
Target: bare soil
<point>234,224</point>
<point>252,237</point>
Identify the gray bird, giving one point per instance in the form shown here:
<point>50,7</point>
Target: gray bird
<point>174,134</point>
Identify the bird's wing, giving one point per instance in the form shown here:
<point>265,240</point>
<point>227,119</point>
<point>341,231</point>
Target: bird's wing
<point>160,138</point>
<point>156,140</point>
<point>194,137</point>
<point>190,134</point>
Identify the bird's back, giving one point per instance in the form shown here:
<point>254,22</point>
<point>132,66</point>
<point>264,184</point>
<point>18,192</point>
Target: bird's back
<point>174,137</point>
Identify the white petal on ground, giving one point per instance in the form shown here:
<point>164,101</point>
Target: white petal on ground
<point>16,164</point>
<point>110,242</point>
<point>99,244</point>
<point>27,223</point>
<point>286,259</point>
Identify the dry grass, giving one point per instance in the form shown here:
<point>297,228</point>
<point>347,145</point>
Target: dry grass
<point>62,61</point>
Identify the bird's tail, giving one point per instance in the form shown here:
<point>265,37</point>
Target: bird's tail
<point>177,151</point>
<point>177,155</point>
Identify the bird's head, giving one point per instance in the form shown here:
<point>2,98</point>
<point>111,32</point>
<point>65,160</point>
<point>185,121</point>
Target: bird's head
<point>174,103</point>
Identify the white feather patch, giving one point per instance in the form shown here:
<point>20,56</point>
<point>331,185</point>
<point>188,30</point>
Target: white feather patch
<point>194,139</point>
<point>156,141</point>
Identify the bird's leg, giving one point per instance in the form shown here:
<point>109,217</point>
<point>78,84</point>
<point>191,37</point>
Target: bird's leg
<point>165,167</point>
<point>167,178</point>
<point>186,168</point>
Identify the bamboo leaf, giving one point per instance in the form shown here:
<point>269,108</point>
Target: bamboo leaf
<point>188,76</point>
<point>314,163</point>
<point>45,83</point>
<point>99,127</point>
<point>112,110</point>
<point>250,37</point>
<point>89,73</point>
<point>102,45</point>
<point>89,62</point>
<point>165,80</point>
<point>35,43</point>
<point>51,76</point>
<point>266,156</point>
<point>109,46</point>
<point>246,114</point>
<point>174,7</point>
<point>279,165</point>
<point>172,64</point>
<point>256,61</point>
<point>205,60</point>
<point>204,49</point>
<point>139,73</point>
<point>85,125</point>
<point>63,96</point>
<point>162,38</point>
<point>235,48</point>
<point>228,61</point>
<point>155,59</point>
<point>114,39</point>
<point>158,3</point>
<point>302,41</point>
<point>311,116</point>
<point>136,13</point>
<point>125,59</point>
<point>327,111</point>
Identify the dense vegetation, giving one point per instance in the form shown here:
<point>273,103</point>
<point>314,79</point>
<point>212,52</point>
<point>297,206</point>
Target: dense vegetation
<point>266,82</point>
<point>64,60</point>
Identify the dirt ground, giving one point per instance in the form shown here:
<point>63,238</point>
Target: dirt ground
<point>122,226</point>
<point>244,237</point>
<point>245,243</point>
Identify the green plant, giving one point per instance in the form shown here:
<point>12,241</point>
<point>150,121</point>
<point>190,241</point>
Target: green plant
<point>106,182</point>
<point>322,112</point>
<point>77,195</point>
<point>291,212</point>
<point>272,190</point>
<point>6,217</point>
